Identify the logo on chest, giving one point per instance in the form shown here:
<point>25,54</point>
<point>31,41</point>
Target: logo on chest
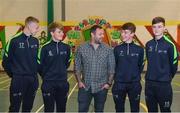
<point>134,54</point>
<point>150,49</point>
<point>21,45</point>
<point>34,46</point>
<point>63,52</point>
<point>162,51</point>
<point>121,53</point>
<point>50,53</point>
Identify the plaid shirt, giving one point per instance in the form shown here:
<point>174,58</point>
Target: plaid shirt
<point>94,65</point>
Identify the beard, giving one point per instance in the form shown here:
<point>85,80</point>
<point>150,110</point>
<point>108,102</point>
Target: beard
<point>98,41</point>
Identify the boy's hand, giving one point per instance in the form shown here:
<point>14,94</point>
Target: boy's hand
<point>81,85</point>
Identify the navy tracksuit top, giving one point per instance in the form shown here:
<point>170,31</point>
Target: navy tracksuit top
<point>162,57</point>
<point>129,62</point>
<point>54,59</point>
<point>20,56</point>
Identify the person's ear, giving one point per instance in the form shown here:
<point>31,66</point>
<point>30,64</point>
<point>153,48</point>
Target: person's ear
<point>52,33</point>
<point>92,34</point>
<point>165,30</point>
<point>132,34</point>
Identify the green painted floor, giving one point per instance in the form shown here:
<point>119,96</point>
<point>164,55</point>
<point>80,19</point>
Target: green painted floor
<point>72,105</point>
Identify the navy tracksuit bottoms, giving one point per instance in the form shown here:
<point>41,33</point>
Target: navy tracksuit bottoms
<point>22,91</point>
<point>158,93</point>
<point>55,93</point>
<point>120,90</point>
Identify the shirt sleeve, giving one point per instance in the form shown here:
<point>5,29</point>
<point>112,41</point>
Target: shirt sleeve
<point>111,62</point>
<point>78,61</point>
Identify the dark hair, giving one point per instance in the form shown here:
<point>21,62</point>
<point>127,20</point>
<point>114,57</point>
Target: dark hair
<point>129,26</point>
<point>93,28</point>
<point>31,19</point>
<point>52,27</point>
<point>158,20</point>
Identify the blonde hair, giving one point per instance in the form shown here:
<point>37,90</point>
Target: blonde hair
<point>52,27</point>
<point>31,19</point>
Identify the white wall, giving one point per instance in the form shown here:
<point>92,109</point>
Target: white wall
<point>140,12</point>
<point>57,10</point>
<point>76,10</point>
<point>125,10</point>
<point>18,10</point>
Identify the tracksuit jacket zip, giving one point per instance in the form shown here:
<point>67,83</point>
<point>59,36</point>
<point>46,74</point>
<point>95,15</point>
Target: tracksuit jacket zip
<point>54,59</point>
<point>20,56</point>
<point>129,62</point>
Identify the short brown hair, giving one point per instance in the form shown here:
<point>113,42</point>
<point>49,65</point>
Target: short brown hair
<point>94,27</point>
<point>158,20</point>
<point>52,27</point>
<point>129,26</point>
<point>31,19</point>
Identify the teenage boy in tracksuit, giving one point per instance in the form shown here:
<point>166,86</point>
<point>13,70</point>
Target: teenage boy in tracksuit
<point>53,61</point>
<point>20,63</point>
<point>129,59</point>
<point>162,58</point>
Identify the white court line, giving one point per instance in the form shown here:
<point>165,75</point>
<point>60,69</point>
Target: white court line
<point>176,91</point>
<point>175,83</point>
<point>5,81</point>
<point>39,109</point>
<point>72,91</point>
<point>144,107</point>
<point>5,87</point>
<point>70,77</point>
<point>4,77</point>
<point>143,80</point>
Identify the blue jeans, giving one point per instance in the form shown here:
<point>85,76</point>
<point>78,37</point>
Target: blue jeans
<point>85,97</point>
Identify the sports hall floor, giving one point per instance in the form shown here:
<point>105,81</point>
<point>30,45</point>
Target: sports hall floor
<point>72,97</point>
